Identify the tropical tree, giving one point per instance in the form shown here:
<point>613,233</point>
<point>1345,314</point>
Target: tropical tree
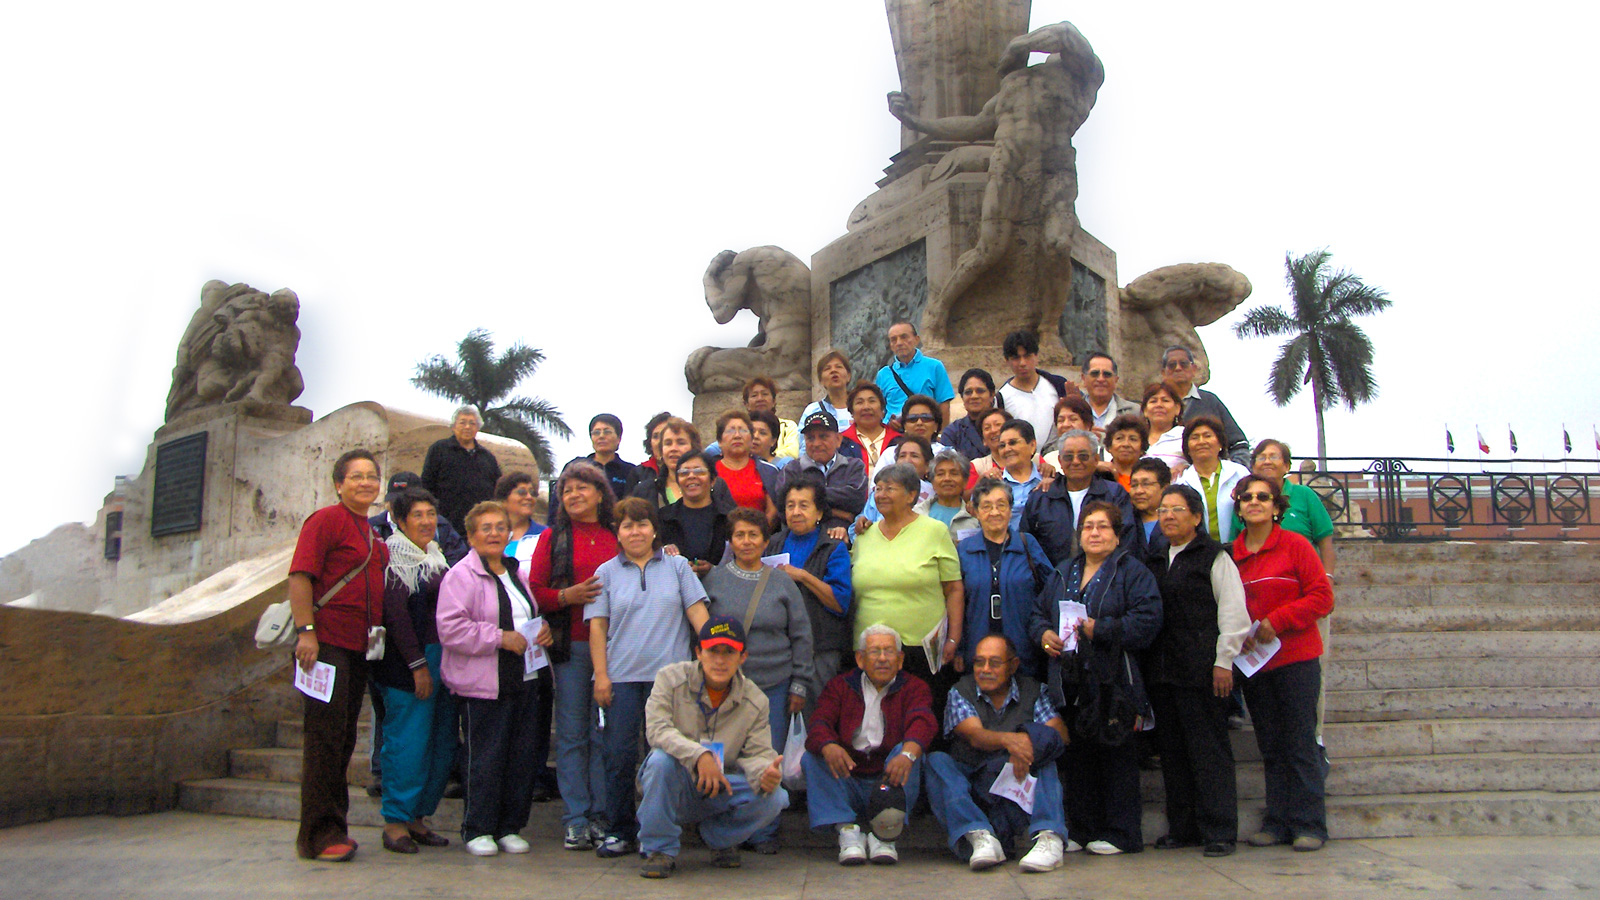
<point>480,378</point>
<point>1326,350</point>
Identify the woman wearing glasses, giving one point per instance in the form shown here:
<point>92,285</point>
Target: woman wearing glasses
<point>696,525</point>
<point>1210,474</point>
<point>1286,591</point>
<point>1163,409</point>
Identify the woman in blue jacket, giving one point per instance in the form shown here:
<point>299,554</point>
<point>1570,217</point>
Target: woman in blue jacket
<point>1003,571</point>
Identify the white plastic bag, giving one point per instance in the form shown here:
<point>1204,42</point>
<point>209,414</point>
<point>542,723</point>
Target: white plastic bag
<point>794,774</point>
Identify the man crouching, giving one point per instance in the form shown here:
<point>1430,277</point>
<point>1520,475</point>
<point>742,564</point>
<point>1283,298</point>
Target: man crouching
<point>711,760</point>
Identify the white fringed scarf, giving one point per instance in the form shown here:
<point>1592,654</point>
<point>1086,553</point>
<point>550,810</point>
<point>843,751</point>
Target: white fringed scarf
<point>410,564</point>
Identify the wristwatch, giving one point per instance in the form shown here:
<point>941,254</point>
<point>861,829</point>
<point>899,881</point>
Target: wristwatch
<point>909,755</point>
<point>305,629</point>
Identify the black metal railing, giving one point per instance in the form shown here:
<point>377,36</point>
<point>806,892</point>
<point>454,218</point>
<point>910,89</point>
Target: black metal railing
<point>1419,498</point>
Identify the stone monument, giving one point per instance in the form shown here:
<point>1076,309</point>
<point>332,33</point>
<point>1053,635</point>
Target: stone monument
<point>775,285</point>
<point>973,230</point>
<point>239,348</point>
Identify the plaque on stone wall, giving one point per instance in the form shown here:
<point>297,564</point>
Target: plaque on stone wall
<point>1083,324</point>
<point>180,485</point>
<point>867,301</point>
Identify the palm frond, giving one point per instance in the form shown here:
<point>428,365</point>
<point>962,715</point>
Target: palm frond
<point>507,426</point>
<point>1266,321</point>
<point>540,413</point>
<point>480,377</point>
<point>441,378</point>
<point>1305,277</point>
<point>1349,358</point>
<point>1358,299</point>
<point>1288,370</point>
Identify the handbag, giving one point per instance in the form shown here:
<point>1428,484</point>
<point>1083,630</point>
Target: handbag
<point>794,751</point>
<point>275,628</point>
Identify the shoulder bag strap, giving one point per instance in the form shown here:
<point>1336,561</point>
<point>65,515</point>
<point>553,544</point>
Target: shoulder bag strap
<point>898,380</point>
<point>755,599</point>
<point>348,576</point>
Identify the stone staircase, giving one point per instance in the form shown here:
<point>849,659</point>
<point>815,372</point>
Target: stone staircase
<point>1463,698</point>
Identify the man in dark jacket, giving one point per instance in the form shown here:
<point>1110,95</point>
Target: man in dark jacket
<point>844,477</point>
<point>1179,370</point>
<point>1001,725</point>
<point>864,749</point>
<point>460,471</point>
<point>1051,515</point>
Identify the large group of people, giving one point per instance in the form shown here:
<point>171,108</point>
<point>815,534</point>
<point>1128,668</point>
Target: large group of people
<point>999,600</point>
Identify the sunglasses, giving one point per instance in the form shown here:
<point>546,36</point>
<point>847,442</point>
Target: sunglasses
<point>917,417</point>
<point>1258,496</point>
<point>1100,373</point>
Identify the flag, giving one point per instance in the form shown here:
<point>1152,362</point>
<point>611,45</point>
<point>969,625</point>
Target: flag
<point>1566,439</point>
<point>1449,441</point>
<point>1513,436</point>
<point>1483,445</point>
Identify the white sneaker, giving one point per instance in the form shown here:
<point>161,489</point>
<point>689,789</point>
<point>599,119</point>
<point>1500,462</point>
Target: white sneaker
<point>482,845</point>
<point>852,845</point>
<point>1073,846</point>
<point>1045,855</point>
<point>986,851</point>
<point>1103,848</point>
<point>513,843</point>
<point>882,853</point>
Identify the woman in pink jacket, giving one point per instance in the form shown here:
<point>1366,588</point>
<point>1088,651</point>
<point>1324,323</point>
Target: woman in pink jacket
<point>484,615</point>
<point>1286,591</point>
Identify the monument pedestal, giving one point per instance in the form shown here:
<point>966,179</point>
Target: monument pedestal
<point>708,406</point>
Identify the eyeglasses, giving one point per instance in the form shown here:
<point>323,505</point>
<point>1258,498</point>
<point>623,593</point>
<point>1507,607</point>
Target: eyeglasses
<point>989,662</point>
<point>976,392</point>
<point>693,473</point>
<point>1258,496</point>
<point>1176,364</point>
<point>1172,510</point>
<point>1076,455</point>
<point>881,653</point>
<point>604,431</point>
<point>1144,483</point>
<point>917,417</point>
<point>522,492</point>
<point>494,528</point>
<point>365,479</point>
<point>1101,373</point>
<point>994,507</point>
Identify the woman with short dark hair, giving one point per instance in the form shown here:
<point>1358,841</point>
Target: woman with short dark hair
<point>1002,571</point>
<point>1127,438</point>
<point>1210,474</point>
<point>869,430</point>
<point>820,566</point>
<point>748,479</point>
<point>695,526</point>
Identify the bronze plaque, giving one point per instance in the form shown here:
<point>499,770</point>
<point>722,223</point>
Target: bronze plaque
<point>180,488</point>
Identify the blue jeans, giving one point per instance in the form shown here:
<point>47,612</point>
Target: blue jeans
<point>418,748</point>
<point>950,794</point>
<point>1283,705</point>
<point>778,719</point>
<point>839,801</point>
<point>580,762</point>
<point>671,801</point>
<point>624,729</point>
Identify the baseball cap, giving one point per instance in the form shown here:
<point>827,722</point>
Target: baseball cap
<point>399,481</point>
<point>819,418</point>
<point>724,631</point>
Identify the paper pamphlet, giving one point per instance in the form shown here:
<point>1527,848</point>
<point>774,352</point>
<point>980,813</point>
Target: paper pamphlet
<point>317,683</point>
<point>775,560</point>
<point>534,658</point>
<point>1019,792</point>
<point>1251,663</point>
<point>1071,613</point>
<point>933,643</point>
<point>965,533</point>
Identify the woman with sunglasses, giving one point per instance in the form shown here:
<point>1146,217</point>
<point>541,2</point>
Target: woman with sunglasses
<point>1286,591</point>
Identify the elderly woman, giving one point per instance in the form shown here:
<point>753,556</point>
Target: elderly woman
<point>649,607</point>
<point>1286,591</point>
<point>949,501</point>
<point>1100,680</point>
<point>485,615</point>
<point>1002,572</point>
<point>907,576</point>
<point>1127,439</point>
<point>820,566</point>
<point>1189,673</point>
<point>696,526</point>
<point>419,716</point>
<point>1210,474</point>
<point>1163,409</point>
<point>336,597</point>
<point>868,429</point>
<point>990,425</point>
<point>777,632</point>
<point>656,480</point>
<point>749,480</point>
<point>582,536</point>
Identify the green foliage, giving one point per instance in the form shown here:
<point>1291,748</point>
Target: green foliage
<point>480,378</point>
<point>1325,350</point>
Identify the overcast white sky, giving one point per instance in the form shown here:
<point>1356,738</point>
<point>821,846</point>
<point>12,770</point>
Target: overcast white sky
<point>562,173</point>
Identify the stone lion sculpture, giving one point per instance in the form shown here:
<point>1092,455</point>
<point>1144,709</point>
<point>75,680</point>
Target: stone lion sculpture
<point>775,285</point>
<point>1162,308</point>
<point>240,346</point>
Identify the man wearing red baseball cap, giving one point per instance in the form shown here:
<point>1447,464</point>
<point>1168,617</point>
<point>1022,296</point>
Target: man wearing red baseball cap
<point>711,760</point>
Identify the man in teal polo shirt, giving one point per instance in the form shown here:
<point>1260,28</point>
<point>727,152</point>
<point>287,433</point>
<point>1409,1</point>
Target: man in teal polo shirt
<point>1306,516</point>
<point>910,372</point>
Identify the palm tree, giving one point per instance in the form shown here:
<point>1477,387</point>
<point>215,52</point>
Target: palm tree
<point>1327,351</point>
<point>483,380</point>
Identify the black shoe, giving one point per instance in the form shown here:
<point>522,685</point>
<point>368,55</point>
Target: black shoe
<point>542,794</point>
<point>765,848</point>
<point>1220,848</point>
<point>1171,842</point>
<point>454,791</point>
<point>375,789</point>
<point>727,858</point>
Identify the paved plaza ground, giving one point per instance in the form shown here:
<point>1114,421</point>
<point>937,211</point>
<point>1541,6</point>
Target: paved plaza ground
<point>173,856</point>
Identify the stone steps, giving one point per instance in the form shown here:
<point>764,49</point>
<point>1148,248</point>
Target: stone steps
<point>1519,552</point>
<point>1458,703</point>
<point>1351,594</point>
<point>1584,570</point>
<point>1498,617</point>
<point>1463,645</point>
<point>1520,672</point>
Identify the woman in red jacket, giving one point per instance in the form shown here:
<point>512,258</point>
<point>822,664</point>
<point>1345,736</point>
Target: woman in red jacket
<point>1286,591</point>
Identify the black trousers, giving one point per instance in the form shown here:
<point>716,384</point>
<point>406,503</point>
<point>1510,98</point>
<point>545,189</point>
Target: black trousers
<point>1197,770</point>
<point>502,736</point>
<point>1283,708</point>
<point>1100,785</point>
<point>939,682</point>
<point>330,741</point>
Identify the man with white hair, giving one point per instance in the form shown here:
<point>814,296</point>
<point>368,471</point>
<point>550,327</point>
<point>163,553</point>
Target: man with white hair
<point>864,750</point>
<point>458,470</point>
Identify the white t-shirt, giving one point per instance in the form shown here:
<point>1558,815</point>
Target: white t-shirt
<point>1037,406</point>
<point>521,610</point>
<point>870,734</point>
<point>1077,504</point>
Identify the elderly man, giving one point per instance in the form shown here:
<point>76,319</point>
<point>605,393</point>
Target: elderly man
<point>711,759</point>
<point>1051,515</point>
<point>1099,387</point>
<point>458,470</point>
<point>910,372</point>
<point>844,477</point>
<point>1178,369</point>
<point>864,750</point>
<point>1001,725</point>
<point>1017,452</point>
